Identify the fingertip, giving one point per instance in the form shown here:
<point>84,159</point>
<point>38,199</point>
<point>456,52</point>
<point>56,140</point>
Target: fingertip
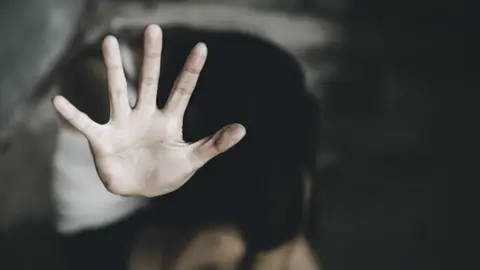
<point>235,132</point>
<point>57,101</point>
<point>221,141</point>
<point>62,106</point>
<point>153,30</point>
<point>55,97</point>
<point>229,137</point>
<point>201,48</point>
<point>109,42</point>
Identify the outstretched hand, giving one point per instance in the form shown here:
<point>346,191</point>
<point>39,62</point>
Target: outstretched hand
<point>141,151</point>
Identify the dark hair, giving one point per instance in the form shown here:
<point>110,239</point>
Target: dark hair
<point>258,183</point>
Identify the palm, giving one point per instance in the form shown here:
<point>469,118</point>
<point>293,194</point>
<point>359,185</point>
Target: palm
<point>140,151</point>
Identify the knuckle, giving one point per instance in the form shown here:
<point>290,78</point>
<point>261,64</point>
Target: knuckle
<point>218,146</point>
<point>115,67</point>
<point>186,84</point>
<point>192,70</point>
<point>184,90</point>
<point>149,81</point>
<point>153,55</point>
<point>197,159</point>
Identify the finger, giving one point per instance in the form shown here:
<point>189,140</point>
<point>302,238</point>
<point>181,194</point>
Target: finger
<point>117,84</point>
<point>151,67</point>
<point>186,81</point>
<point>210,147</point>
<point>78,119</point>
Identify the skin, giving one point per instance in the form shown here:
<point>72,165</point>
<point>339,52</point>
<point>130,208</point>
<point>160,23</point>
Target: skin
<point>141,151</point>
<point>221,247</point>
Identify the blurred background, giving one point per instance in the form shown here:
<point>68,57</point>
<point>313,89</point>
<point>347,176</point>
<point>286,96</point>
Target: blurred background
<point>389,76</point>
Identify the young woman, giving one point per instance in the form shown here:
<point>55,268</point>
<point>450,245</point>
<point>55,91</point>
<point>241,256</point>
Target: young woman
<point>244,208</point>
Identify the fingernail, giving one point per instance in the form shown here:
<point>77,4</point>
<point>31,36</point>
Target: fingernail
<point>62,106</point>
<point>201,47</point>
<point>235,132</point>
<point>110,41</point>
<point>154,30</point>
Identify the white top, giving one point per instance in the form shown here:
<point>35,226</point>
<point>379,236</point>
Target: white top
<point>81,200</point>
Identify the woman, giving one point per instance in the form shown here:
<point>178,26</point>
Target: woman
<point>251,200</point>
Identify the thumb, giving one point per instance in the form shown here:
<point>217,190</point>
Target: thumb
<point>210,147</point>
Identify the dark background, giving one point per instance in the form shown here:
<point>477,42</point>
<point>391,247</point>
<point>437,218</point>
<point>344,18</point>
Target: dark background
<point>391,184</point>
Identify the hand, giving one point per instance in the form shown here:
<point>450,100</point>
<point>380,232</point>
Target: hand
<point>141,151</point>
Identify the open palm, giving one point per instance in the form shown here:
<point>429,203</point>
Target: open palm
<point>141,151</point>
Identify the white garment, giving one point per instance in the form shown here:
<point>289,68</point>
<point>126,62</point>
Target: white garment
<point>81,200</point>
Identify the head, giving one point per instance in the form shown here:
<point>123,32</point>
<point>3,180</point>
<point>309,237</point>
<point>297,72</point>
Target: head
<point>247,80</point>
